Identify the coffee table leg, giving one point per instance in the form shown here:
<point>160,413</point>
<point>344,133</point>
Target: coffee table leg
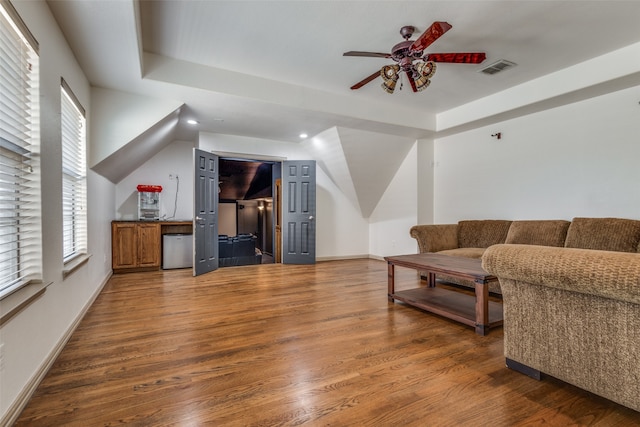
<point>482,308</point>
<point>431,279</point>
<point>390,281</point>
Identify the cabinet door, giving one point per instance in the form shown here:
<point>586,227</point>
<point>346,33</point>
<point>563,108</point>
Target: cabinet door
<point>124,238</point>
<point>148,245</point>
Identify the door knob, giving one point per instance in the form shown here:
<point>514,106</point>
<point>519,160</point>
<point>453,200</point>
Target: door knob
<point>199,219</point>
<point>311,217</point>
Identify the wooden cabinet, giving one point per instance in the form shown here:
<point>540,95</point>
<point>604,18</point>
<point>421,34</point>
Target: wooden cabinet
<point>148,245</point>
<point>135,246</point>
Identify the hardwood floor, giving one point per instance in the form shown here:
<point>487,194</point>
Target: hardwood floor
<point>270,345</point>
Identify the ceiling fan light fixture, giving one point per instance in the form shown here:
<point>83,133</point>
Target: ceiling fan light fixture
<point>389,74</point>
<point>423,72</point>
<point>421,83</point>
<point>426,69</point>
<point>389,86</point>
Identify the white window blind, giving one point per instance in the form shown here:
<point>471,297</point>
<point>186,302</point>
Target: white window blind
<point>74,176</point>
<point>20,221</point>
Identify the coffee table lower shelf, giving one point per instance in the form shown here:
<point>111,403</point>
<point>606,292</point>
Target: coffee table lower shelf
<point>453,305</point>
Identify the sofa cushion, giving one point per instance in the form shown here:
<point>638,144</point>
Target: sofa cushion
<point>538,232</point>
<point>606,234</point>
<point>464,252</point>
<point>482,233</point>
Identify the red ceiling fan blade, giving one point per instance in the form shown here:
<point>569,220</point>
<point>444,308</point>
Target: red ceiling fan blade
<point>365,81</point>
<point>369,54</point>
<point>461,57</point>
<point>430,35</point>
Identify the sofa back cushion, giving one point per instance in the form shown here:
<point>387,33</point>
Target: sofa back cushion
<point>541,232</point>
<point>482,233</point>
<point>606,234</point>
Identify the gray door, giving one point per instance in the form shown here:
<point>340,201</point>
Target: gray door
<point>299,212</point>
<point>205,223</point>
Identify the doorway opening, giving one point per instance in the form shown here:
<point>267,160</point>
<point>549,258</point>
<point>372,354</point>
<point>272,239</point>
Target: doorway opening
<point>248,211</point>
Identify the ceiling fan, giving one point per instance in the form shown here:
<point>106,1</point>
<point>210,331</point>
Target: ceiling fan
<point>409,58</point>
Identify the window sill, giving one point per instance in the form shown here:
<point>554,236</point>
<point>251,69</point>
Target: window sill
<point>14,303</point>
<point>74,264</point>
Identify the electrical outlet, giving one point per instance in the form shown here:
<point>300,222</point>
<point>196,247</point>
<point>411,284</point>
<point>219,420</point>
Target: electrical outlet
<point>170,176</point>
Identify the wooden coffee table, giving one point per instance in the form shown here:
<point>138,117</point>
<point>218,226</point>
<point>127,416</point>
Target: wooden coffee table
<point>476,311</point>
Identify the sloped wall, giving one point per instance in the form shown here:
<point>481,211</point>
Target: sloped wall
<point>397,211</point>
<point>120,117</point>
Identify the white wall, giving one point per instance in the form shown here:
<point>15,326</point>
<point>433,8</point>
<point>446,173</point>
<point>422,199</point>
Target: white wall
<point>341,232</point>
<point>426,165</point>
<point>396,212</point>
<point>176,160</point>
<point>577,160</point>
<point>340,229</point>
<point>33,335</point>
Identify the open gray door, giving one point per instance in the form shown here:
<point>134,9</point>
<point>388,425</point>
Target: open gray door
<point>205,223</point>
<point>299,212</point>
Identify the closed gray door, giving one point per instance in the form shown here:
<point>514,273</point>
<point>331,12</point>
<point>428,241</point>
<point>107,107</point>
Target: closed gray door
<point>205,223</point>
<point>299,212</point>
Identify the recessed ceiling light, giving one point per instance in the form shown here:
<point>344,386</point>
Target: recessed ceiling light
<point>303,135</point>
<point>192,122</point>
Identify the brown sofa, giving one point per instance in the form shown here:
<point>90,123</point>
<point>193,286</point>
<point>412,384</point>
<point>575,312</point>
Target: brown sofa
<point>573,312</point>
<point>471,238</point>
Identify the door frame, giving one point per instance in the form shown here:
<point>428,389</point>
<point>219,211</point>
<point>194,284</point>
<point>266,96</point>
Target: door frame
<point>277,197</point>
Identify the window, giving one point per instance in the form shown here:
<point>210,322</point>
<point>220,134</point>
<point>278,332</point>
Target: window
<point>20,223</point>
<point>74,175</point>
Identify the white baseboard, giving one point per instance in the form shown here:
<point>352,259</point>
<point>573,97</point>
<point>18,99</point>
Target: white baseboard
<point>12,414</point>
<point>339,258</point>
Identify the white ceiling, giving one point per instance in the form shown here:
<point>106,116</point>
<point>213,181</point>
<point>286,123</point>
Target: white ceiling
<point>273,69</point>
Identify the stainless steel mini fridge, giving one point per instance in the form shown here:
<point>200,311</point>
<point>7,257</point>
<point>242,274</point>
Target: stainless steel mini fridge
<point>177,251</point>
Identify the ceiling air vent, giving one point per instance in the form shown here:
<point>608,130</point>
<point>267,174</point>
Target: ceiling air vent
<point>498,66</point>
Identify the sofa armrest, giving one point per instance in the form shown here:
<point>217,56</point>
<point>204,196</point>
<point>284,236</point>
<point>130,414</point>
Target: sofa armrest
<point>607,274</point>
<point>435,237</point>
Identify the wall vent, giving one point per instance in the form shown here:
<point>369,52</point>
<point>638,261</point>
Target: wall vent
<point>497,66</point>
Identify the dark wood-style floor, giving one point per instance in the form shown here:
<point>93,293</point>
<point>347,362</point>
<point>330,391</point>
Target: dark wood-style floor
<point>271,345</point>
